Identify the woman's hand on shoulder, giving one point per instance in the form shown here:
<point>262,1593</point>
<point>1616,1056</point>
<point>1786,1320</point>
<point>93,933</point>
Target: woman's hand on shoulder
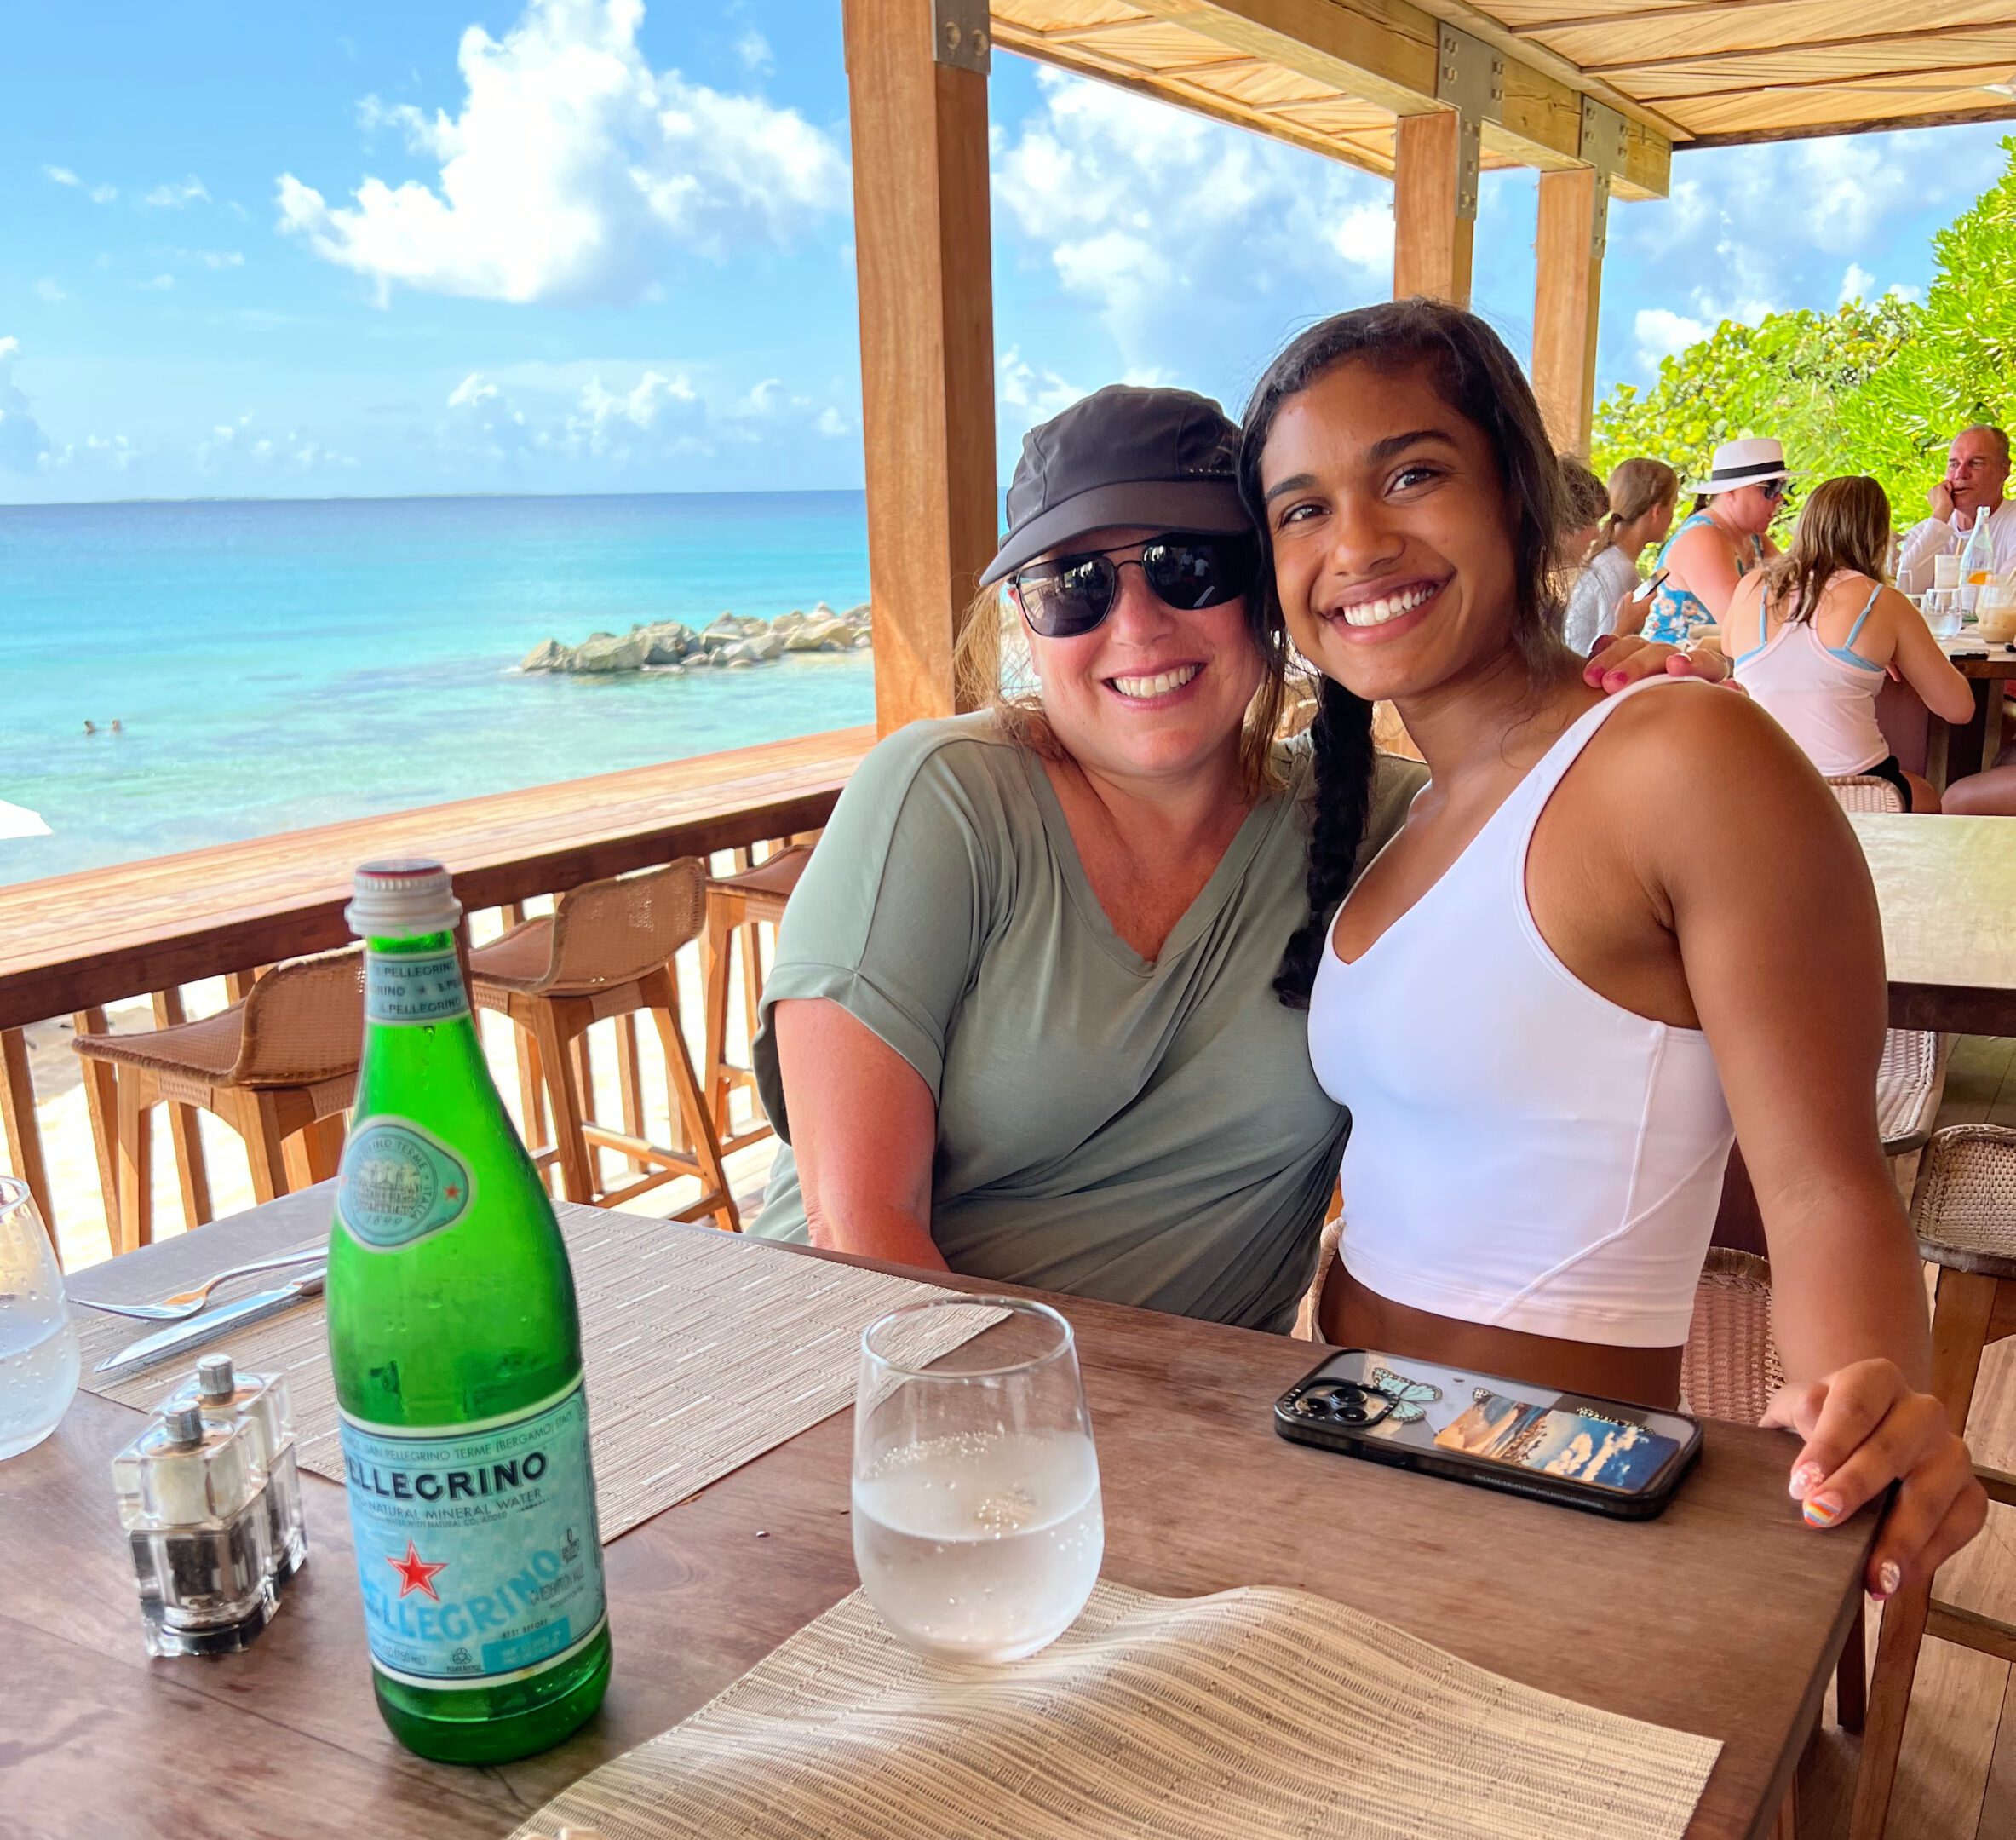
<point>1863,1428</point>
<point>1616,661</point>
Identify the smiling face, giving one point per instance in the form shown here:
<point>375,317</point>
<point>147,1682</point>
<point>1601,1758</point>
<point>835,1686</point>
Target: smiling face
<point>1395,551</point>
<point>1152,692</point>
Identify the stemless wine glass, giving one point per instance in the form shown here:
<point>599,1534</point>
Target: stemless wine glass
<point>978,1528</point>
<point>38,1356</point>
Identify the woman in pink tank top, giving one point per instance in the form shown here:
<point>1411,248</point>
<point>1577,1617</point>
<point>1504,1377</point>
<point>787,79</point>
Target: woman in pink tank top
<point>1551,996</point>
<point>1813,635</point>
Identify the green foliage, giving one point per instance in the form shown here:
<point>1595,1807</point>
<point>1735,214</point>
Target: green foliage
<point>1789,375</point>
<point>1959,363</point>
<point>1877,387</point>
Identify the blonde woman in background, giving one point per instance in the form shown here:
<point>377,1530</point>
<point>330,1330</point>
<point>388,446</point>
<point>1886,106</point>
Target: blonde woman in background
<point>1813,635</point>
<point>1642,494</point>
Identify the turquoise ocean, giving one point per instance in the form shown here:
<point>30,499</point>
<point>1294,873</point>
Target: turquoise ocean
<point>274,664</point>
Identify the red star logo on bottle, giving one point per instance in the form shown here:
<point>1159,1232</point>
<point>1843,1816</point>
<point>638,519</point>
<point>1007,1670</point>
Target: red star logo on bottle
<point>416,1574</point>
<point>452,1191</point>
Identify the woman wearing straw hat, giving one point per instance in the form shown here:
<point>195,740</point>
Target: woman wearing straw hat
<point>1722,541</point>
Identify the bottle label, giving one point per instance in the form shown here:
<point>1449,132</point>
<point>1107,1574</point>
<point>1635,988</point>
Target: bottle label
<point>476,1545</point>
<point>411,991</point>
<point>397,1183</point>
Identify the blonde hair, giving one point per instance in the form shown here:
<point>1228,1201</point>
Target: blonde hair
<point>1845,524</point>
<point>993,670</point>
<point>1637,486</point>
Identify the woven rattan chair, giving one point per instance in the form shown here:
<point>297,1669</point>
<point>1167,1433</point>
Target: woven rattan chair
<point>1964,1213</point>
<point>279,1068</point>
<point>606,951</point>
<point>737,905</point>
<point>1865,792</point>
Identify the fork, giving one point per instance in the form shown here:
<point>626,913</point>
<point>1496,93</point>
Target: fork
<point>187,1302</point>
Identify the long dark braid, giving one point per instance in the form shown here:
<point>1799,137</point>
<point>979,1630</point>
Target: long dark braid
<point>1342,735</point>
<point>1479,378</point>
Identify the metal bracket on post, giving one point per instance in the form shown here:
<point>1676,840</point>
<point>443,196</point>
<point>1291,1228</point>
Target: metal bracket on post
<point>1470,77</point>
<point>1606,143</point>
<point>960,35</point>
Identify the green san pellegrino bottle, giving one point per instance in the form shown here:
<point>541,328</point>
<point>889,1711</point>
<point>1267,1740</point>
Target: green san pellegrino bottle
<point>457,1354</point>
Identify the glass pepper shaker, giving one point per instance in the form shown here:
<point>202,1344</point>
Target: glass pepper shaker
<point>192,1500</point>
<point>262,1401</point>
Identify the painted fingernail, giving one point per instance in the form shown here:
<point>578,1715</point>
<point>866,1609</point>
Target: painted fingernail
<point>1612,678</point>
<point>1822,1510</point>
<point>1889,1576</point>
<point>1807,1477</point>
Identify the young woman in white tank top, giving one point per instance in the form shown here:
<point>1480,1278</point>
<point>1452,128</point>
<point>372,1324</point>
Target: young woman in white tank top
<point>1605,929</point>
<point>1813,635</point>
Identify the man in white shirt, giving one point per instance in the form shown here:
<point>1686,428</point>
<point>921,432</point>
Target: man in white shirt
<point>1977,470</point>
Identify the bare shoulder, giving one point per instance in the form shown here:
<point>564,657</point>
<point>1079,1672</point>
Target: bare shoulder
<point>1712,741</point>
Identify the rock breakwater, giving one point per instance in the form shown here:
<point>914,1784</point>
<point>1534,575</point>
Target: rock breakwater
<point>729,644</point>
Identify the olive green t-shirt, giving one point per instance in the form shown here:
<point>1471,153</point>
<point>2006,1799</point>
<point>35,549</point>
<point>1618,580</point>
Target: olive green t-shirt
<point>1147,1133</point>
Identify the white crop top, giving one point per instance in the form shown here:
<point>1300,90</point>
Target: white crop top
<point>1523,1152</point>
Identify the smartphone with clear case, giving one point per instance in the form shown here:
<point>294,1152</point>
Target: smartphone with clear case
<point>1573,1449</point>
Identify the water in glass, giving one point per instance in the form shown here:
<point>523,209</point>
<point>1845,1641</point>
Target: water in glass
<point>978,1529</point>
<point>39,1352</point>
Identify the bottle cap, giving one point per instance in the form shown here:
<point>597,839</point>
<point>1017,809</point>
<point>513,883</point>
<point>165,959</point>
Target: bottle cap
<point>215,1377</point>
<point>400,898</point>
<point>183,1425</point>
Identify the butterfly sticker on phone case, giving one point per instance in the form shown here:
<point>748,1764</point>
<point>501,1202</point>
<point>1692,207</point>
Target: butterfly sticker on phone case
<point>1411,1398</point>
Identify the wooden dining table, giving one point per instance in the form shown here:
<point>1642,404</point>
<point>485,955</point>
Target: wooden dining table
<point>1929,744</point>
<point>1724,1617</point>
<point>1946,887</point>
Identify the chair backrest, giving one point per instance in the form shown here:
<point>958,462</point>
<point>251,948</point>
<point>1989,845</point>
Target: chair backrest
<point>614,932</point>
<point>1731,1367</point>
<point>303,1022</point>
<point>1865,792</point>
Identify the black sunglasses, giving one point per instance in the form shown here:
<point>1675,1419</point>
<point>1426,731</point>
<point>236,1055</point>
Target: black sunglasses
<point>1069,596</point>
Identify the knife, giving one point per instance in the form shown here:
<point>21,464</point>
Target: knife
<point>169,1341</point>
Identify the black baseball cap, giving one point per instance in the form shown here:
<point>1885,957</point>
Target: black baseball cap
<point>1165,458</point>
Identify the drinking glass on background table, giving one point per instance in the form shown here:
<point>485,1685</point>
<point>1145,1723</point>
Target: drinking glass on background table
<point>978,1524</point>
<point>38,1353</point>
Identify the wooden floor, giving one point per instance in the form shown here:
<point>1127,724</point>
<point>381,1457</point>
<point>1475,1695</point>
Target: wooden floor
<point>1957,1778</point>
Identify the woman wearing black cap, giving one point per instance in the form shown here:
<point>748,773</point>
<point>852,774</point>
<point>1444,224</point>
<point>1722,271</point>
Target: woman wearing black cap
<point>1020,1022</point>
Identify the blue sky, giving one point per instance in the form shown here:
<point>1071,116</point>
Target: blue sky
<point>584,246</point>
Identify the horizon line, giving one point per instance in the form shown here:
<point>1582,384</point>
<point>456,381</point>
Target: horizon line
<point>223,498</point>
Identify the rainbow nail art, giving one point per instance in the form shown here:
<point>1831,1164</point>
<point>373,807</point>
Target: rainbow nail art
<point>1821,1510</point>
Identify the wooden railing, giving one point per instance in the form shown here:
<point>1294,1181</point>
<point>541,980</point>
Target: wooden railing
<point>75,946</point>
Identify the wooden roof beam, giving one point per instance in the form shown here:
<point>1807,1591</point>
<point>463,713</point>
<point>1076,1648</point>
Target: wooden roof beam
<point>1827,130</point>
<point>1904,40</point>
<point>1384,52</point>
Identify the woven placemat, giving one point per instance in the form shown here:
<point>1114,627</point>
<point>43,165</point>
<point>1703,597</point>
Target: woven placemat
<point>1253,1715</point>
<point>703,1350</point>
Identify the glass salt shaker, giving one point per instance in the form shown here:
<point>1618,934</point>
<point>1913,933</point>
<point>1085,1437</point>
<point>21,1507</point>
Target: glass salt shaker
<point>192,1501</point>
<point>262,1402</point>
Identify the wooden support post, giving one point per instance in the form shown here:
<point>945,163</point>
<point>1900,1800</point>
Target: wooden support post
<point>926,313</point>
<point>1431,243</point>
<point>1567,291</point>
<point>24,1131</point>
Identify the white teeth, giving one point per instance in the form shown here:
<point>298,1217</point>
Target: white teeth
<point>1386,606</point>
<point>1160,685</point>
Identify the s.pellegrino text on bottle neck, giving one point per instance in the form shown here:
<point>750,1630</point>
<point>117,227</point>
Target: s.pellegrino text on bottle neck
<point>455,1349</point>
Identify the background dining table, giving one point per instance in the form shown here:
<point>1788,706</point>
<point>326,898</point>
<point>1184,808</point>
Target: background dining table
<point>1723,1618</point>
<point>1929,744</point>
<point>1946,889</point>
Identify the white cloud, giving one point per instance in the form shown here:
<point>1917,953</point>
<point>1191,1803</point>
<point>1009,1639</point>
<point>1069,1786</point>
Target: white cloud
<point>1175,228</point>
<point>754,50</point>
<point>239,447</point>
<point>218,258</point>
<point>832,422</point>
<point>571,165</point>
<point>1024,396</point>
<point>177,196</point>
<point>1662,333</point>
<point>98,194</point>
<point>160,284</point>
<point>51,290</point>
<point>22,442</point>
<point>1855,283</point>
